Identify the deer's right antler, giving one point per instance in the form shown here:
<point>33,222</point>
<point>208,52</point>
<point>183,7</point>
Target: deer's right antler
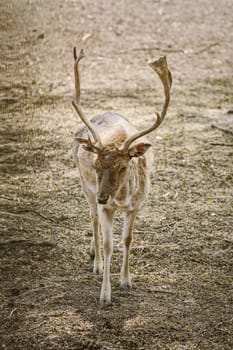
<point>76,103</point>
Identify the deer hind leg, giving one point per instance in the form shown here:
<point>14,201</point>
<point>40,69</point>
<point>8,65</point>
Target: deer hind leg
<point>106,219</point>
<point>127,237</point>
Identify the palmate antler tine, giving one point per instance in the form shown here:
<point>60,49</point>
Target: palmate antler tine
<point>76,103</point>
<point>161,68</point>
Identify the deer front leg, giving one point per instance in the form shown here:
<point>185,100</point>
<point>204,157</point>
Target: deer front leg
<point>95,250</point>
<point>106,220</point>
<point>127,237</point>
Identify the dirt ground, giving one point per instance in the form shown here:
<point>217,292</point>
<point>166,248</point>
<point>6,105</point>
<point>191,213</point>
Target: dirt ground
<point>181,259</point>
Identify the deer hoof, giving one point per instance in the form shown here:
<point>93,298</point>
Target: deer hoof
<point>105,296</point>
<point>92,254</point>
<point>98,268</point>
<point>126,285</point>
<point>105,300</point>
<point>92,251</point>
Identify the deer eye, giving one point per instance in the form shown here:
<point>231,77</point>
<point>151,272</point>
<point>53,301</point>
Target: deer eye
<point>123,169</point>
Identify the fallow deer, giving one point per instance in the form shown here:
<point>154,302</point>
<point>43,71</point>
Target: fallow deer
<point>114,171</point>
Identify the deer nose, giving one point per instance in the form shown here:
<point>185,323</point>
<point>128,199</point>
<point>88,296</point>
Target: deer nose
<point>103,200</point>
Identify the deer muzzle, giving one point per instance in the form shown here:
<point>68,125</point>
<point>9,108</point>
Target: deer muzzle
<point>103,200</point>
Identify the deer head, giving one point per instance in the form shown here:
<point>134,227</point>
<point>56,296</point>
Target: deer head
<point>111,166</point>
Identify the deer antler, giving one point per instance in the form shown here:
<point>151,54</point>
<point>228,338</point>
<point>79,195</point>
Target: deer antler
<point>76,73</point>
<point>161,68</point>
<point>76,103</point>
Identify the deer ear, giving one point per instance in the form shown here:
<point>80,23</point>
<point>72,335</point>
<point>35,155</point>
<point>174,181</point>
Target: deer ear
<point>139,149</point>
<point>86,144</point>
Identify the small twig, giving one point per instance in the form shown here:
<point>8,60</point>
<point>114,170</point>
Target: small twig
<point>222,144</point>
<point>222,129</point>
<point>147,231</point>
<point>32,328</point>
<point>21,212</point>
<point>12,311</point>
<point>161,291</point>
<point>207,48</point>
<point>158,49</point>
<point>6,198</point>
<point>36,290</point>
<point>28,242</point>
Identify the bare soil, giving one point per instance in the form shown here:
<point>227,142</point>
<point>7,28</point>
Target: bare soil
<point>182,252</point>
